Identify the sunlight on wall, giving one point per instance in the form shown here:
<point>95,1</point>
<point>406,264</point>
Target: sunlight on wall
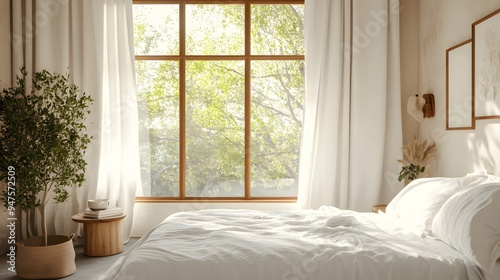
<point>484,146</point>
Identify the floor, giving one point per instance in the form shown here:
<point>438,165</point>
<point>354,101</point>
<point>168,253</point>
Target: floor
<point>86,267</point>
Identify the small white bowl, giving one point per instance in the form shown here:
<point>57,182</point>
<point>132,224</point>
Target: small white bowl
<point>98,204</point>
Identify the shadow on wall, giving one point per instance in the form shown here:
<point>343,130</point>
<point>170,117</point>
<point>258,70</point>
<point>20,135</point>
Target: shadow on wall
<point>484,147</point>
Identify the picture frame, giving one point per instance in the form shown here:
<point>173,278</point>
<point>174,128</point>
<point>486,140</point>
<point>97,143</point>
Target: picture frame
<point>486,66</point>
<point>459,101</point>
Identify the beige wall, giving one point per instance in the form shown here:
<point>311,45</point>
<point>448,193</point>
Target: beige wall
<point>409,63</point>
<point>441,25</point>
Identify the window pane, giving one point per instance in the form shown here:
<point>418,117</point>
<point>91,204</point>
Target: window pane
<point>158,90</point>
<point>277,29</point>
<point>215,141</point>
<point>156,29</point>
<point>277,110</point>
<point>215,29</point>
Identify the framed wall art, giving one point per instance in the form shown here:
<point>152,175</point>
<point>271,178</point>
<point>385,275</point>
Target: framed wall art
<point>486,66</point>
<point>459,102</point>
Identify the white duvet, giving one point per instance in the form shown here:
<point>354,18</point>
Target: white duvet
<point>288,245</point>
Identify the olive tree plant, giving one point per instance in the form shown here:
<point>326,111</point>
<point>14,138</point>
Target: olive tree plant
<point>42,141</point>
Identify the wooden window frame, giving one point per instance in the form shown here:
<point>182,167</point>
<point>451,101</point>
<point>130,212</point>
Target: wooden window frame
<point>182,57</point>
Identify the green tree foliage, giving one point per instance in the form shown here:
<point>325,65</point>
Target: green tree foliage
<point>42,140</point>
<point>215,99</point>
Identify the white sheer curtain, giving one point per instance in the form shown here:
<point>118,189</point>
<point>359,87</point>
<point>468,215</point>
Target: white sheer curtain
<point>92,40</point>
<point>352,133</point>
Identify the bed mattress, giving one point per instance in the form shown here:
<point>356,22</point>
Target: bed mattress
<point>309,244</point>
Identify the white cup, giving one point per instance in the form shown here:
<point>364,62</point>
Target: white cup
<point>98,204</point>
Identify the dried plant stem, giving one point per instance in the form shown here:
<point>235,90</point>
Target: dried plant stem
<point>416,153</point>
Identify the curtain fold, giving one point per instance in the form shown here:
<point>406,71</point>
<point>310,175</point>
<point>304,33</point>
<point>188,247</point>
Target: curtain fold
<point>92,41</point>
<point>352,132</point>
<point>21,52</point>
<point>119,170</point>
<point>325,142</point>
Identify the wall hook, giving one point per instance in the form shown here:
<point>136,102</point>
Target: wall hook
<point>429,107</point>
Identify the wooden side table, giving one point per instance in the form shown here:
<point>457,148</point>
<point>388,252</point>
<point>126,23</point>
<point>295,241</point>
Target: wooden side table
<point>101,237</point>
<point>380,207</point>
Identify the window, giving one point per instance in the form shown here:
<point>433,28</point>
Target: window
<point>222,85</point>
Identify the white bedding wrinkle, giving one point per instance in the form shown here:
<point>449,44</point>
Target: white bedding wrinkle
<point>469,222</point>
<point>289,245</point>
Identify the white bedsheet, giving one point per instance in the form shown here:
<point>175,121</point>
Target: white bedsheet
<point>290,245</point>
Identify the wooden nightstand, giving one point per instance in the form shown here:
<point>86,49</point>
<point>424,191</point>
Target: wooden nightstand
<point>101,237</point>
<point>380,207</point>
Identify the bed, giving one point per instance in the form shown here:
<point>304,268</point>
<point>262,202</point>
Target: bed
<point>436,228</point>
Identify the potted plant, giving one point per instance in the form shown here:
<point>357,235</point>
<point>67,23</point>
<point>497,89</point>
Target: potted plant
<point>416,153</point>
<point>42,144</point>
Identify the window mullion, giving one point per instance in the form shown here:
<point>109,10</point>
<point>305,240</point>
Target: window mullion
<point>248,166</point>
<point>182,100</point>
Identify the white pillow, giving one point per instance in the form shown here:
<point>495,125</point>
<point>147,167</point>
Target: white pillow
<point>421,199</point>
<point>469,221</point>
